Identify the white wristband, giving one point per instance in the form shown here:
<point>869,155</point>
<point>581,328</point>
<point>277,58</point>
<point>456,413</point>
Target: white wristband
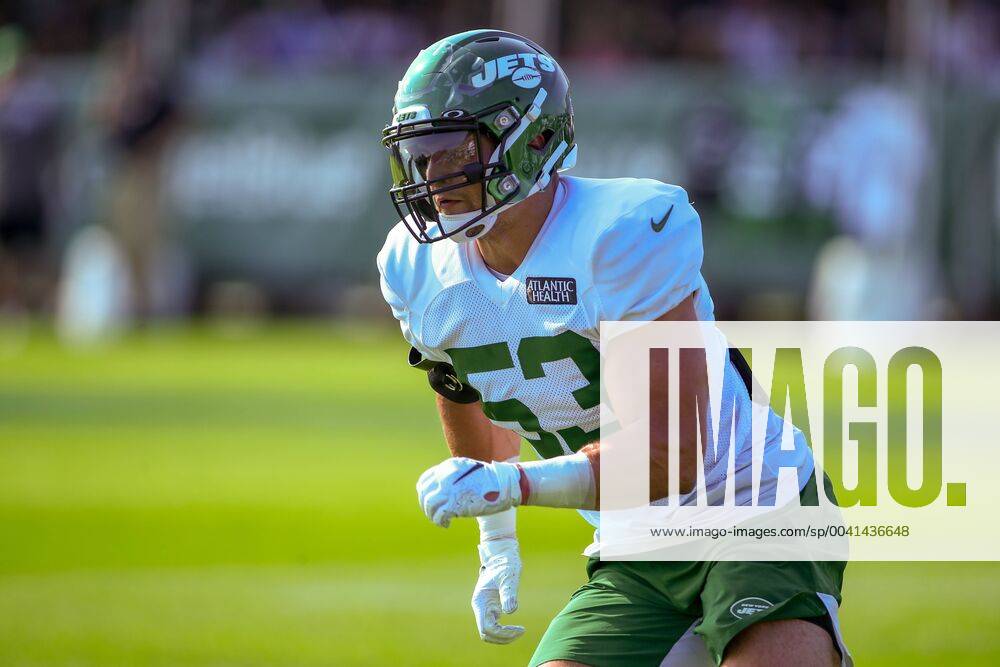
<point>563,481</point>
<point>501,524</point>
<point>495,526</point>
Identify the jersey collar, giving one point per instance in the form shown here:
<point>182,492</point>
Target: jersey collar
<point>501,291</point>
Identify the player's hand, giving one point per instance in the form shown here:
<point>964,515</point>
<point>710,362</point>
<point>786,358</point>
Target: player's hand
<point>465,487</point>
<point>496,590</point>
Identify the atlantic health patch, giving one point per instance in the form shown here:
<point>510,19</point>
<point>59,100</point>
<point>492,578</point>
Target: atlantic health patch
<point>551,291</point>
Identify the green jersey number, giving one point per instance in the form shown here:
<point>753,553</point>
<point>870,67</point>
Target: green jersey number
<point>532,352</point>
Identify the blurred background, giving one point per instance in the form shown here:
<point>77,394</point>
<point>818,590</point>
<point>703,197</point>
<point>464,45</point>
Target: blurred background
<point>196,367</point>
<point>164,159</point>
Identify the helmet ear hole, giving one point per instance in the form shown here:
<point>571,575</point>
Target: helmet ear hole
<point>541,141</point>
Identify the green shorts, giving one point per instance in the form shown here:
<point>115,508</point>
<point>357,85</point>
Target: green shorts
<point>631,614</point>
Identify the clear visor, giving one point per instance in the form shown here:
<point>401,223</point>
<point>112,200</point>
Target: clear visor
<point>435,156</point>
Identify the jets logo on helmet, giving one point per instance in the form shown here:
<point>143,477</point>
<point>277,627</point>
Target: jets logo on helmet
<point>511,65</point>
<point>465,114</point>
<point>526,77</point>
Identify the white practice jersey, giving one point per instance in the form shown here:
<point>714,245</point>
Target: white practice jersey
<point>530,344</point>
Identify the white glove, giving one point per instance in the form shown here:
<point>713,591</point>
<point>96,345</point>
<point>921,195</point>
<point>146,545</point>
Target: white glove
<point>496,590</point>
<point>465,487</point>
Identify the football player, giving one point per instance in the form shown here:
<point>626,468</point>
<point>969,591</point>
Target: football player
<point>499,273</point>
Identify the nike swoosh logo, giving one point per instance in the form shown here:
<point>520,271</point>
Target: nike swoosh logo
<point>658,226</point>
<point>468,472</point>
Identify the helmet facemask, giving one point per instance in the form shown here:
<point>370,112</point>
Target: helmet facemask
<point>430,158</point>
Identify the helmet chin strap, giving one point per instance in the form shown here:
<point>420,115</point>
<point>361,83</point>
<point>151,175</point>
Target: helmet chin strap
<point>456,220</point>
<point>453,221</point>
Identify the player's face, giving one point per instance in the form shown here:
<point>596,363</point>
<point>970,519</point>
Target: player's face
<point>440,155</point>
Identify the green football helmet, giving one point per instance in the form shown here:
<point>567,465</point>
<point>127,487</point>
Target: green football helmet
<point>458,91</point>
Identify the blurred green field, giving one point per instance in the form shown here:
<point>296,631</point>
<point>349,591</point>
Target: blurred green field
<point>213,497</point>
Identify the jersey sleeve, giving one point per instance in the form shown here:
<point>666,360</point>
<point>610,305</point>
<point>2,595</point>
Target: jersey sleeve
<point>394,280</point>
<point>649,260</point>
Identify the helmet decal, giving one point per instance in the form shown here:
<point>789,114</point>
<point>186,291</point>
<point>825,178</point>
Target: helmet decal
<point>411,113</point>
<point>526,77</point>
<point>512,65</point>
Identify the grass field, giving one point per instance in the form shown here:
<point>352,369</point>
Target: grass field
<point>197,497</point>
